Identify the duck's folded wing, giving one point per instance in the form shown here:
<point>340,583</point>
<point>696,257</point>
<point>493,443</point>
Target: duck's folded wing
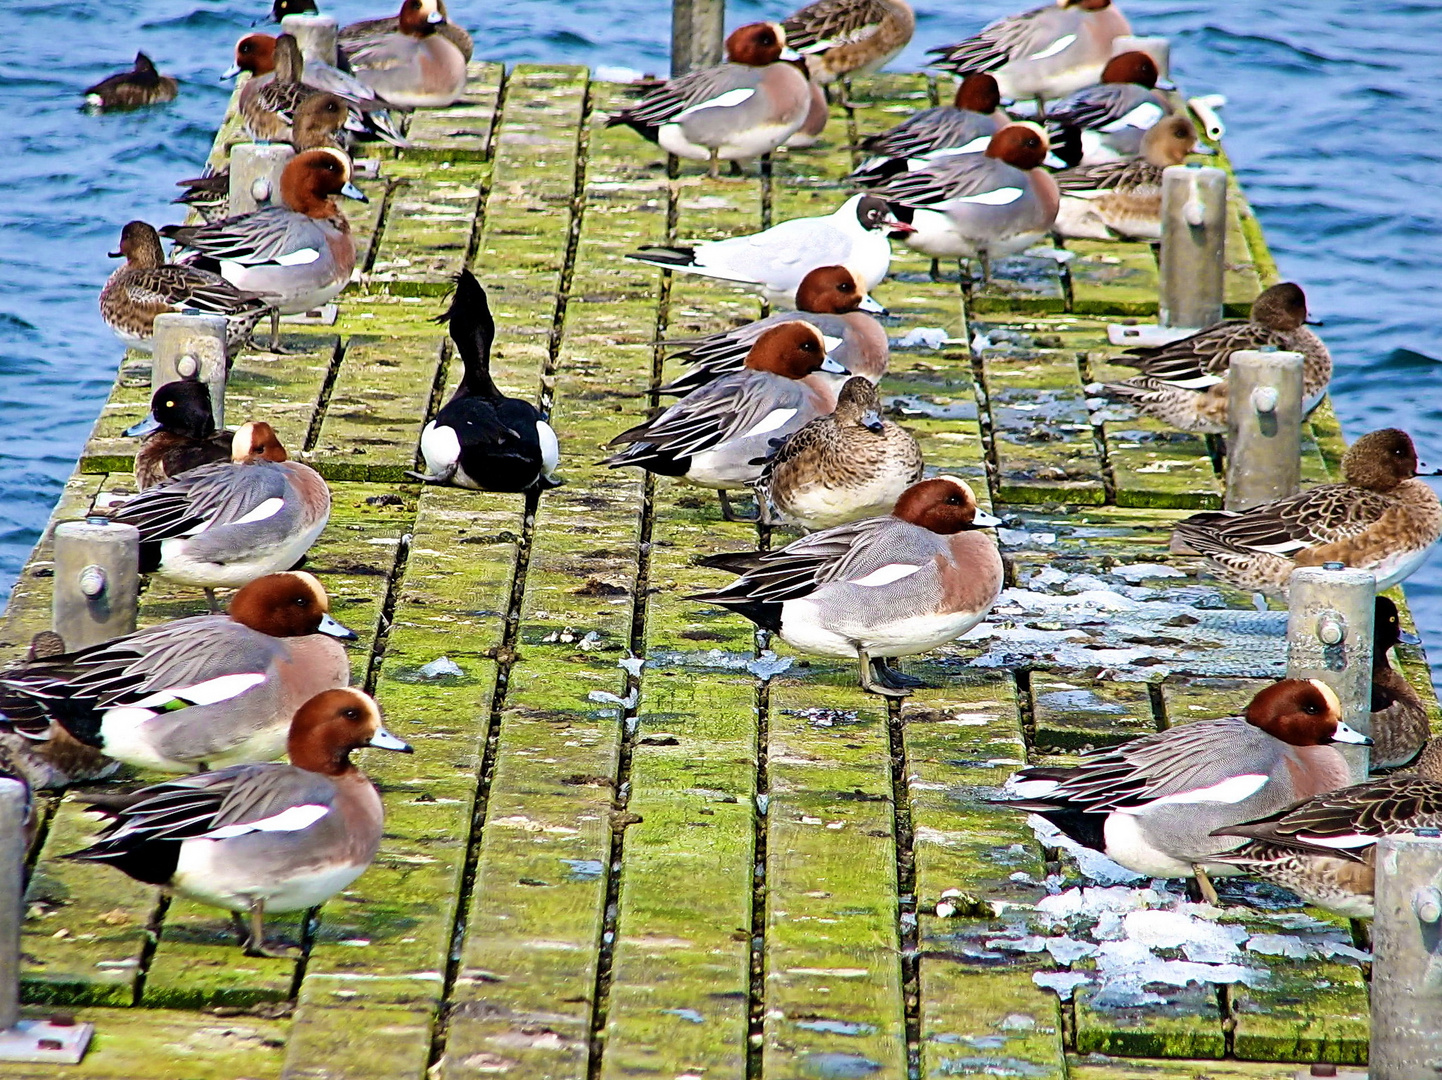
<point>1204,353</point>
<point>1026,36</point>
<point>714,87</point>
<point>1324,514</point>
<point>932,129</point>
<point>184,286</point>
<point>956,180</point>
<point>213,495</point>
<point>844,552</point>
<point>831,23</point>
<point>1106,106</point>
<point>732,408</point>
<point>1348,822</point>
<point>1105,176</point>
<point>272,234</point>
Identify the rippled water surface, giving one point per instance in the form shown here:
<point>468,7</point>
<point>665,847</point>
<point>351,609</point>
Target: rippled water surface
<point>1334,118</point>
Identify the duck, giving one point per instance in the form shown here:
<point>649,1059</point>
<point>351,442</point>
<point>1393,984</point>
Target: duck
<point>889,586</point>
<point>192,694</point>
<point>719,436</point>
<point>851,464</point>
<point>56,760</point>
<point>258,838</point>
<point>1183,383</point>
<point>142,85</point>
<point>1042,54</point>
<point>225,524</point>
<point>296,254</point>
<point>1155,804</point>
<point>1382,519</point>
<point>841,38</point>
<point>319,120</point>
<point>179,434</point>
<point>1325,848</point>
<point>963,127</point>
<point>1401,721</point>
<point>830,299</point>
<point>146,286</point>
<point>980,206</point>
<point>1106,122</point>
<point>413,66</point>
<point>356,34</point>
<point>1123,199</point>
<point>734,111</point>
<point>814,126</point>
<point>482,439</point>
<point>776,260</point>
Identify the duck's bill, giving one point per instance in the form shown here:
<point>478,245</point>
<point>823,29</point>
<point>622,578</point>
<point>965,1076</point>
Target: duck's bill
<point>832,366</point>
<point>871,304</point>
<point>873,421</point>
<point>350,191</point>
<point>145,427</point>
<point>435,17</point>
<point>1350,735</point>
<point>230,72</point>
<point>336,630</point>
<point>115,254</point>
<point>983,520</point>
<point>1204,150</point>
<point>789,53</point>
<point>1406,637</point>
<point>1314,322</point>
<point>384,740</point>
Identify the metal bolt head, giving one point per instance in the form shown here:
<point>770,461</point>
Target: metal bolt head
<point>1428,833</point>
<point>187,366</point>
<point>260,189</point>
<point>1427,903</point>
<point>92,580</point>
<point>1264,399</point>
<point>1331,628</point>
<point>1334,566</point>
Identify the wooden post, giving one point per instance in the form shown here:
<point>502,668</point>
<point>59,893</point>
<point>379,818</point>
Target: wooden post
<point>1194,228</point>
<point>191,346</point>
<point>97,578</point>
<point>697,34</point>
<point>1407,959</point>
<point>316,36</point>
<point>1158,48</point>
<point>255,170</point>
<point>1329,638</point>
<point>1264,427</point>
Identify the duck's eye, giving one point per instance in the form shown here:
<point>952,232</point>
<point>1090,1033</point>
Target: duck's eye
<point>302,601</point>
<point>846,286</point>
<point>351,714</point>
<point>1311,710</point>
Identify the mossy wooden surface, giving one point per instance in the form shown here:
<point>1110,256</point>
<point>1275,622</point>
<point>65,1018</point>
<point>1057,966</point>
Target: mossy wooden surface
<point>617,849</point>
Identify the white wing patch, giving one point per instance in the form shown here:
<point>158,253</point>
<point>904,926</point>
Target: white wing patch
<point>770,422</point>
<point>1143,116</point>
<point>996,197</point>
<point>885,575</point>
<point>1199,382</point>
<point>440,447</point>
<point>729,99</point>
<point>832,343</point>
<point>550,447</point>
<point>268,508</point>
<point>291,819</point>
<point>1286,547</point>
<point>221,688</point>
<point>1352,840</point>
<point>303,257</point>
<point>1231,790</point>
<point>1055,47</point>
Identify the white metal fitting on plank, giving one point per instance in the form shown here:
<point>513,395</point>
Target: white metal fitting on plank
<point>1331,628</point>
<point>187,366</point>
<point>1264,400</point>
<point>260,189</point>
<point>1427,903</point>
<point>93,581</point>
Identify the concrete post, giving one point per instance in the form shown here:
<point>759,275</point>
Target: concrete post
<point>191,346</point>
<point>1407,959</point>
<point>97,579</point>
<point>1158,48</point>
<point>255,170</point>
<point>316,36</point>
<point>1194,230</point>
<point>1329,638</point>
<point>697,34</point>
<point>1264,427</point>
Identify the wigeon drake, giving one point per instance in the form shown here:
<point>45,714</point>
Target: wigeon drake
<point>1184,382</point>
<point>1045,53</point>
<point>258,838</point>
<point>980,206</point>
<point>1382,519</point>
<point>140,86</point>
<point>225,524</point>
<point>719,436</point>
<point>1153,803</point>
<point>482,439</point>
<point>1401,721</point>
<point>1123,198</point>
<point>809,133</point>
<point>179,434</point>
<point>1106,122</point>
<point>776,260</point>
<point>734,111</point>
<point>294,255</point>
<point>830,299</point>
<point>870,590</point>
<point>850,465</point>
<point>147,286</point>
<point>839,38</point>
<point>192,694</point>
<point>356,34</point>
<point>414,66</point>
<point>1325,849</point>
<point>964,127</point>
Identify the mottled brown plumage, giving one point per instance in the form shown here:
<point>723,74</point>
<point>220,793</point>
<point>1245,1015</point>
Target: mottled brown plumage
<point>133,89</point>
<point>1400,720</point>
<point>847,37</point>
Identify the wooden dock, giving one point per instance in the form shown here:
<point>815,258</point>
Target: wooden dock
<point>628,845</point>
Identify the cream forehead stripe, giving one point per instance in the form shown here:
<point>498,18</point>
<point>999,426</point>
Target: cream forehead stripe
<point>1329,694</point>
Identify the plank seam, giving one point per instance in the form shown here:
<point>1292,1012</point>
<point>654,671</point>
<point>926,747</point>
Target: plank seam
<point>756,1003</point>
<point>1099,436</point>
<point>903,837</point>
<point>322,401</point>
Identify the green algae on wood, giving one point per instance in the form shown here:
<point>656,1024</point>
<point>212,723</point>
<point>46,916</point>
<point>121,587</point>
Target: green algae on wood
<point>463,131</point>
<point>1187,1024</point>
<point>347,1042</point>
<point>1072,715</point>
<point>977,1022</point>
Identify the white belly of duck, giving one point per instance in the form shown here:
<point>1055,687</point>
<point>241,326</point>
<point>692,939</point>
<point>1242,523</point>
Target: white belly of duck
<point>817,506</point>
<point>204,873</point>
<point>1127,844</point>
<point>179,565</point>
<point>804,624</point>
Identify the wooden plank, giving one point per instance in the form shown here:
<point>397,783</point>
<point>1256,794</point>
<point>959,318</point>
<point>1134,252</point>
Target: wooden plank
<point>1071,714</point>
<point>1113,277</point>
<point>977,1022</point>
<point>463,131</point>
<point>1186,1024</point>
<point>346,1043</point>
<point>1187,700</point>
<point>428,226</point>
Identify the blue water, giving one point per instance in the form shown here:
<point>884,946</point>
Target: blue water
<point>1334,116</point>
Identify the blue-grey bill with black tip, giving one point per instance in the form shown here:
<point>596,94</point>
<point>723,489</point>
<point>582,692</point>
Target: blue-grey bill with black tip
<point>873,306</point>
<point>350,191</point>
<point>384,740</point>
<point>336,630</point>
<point>145,427</point>
<point>833,367</point>
<point>983,520</point>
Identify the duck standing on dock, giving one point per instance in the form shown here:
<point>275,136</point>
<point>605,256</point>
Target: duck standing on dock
<point>414,66</point>
<point>258,838</point>
<point>1184,384</point>
<point>841,38</point>
<point>1106,122</point>
<point>1401,721</point>
<point>142,85</point>
<point>776,260</point>
<point>295,254</point>
<point>192,694</point>
<point>1042,54</point>
<point>734,111</point>
<point>1123,199</point>
<point>357,34</point>
<point>179,434</point>
<point>850,465</point>
<point>871,590</point>
<point>482,439</point>
<point>224,525</point>
<point>1155,804</point>
<point>147,286</point>
<point>719,436</point>
<point>979,206</point>
<point>964,127</point>
<point>1382,519</point>
<point>830,299</point>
